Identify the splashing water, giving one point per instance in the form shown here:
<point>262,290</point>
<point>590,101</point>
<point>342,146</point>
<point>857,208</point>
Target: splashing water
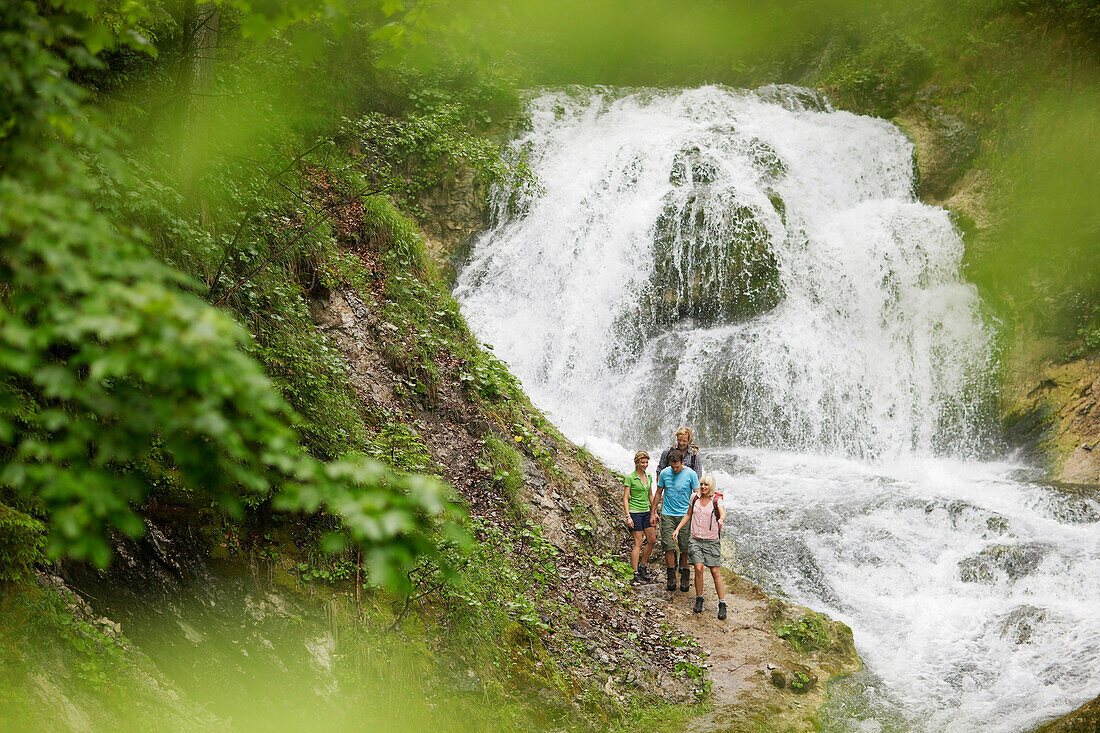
<point>755,264</point>
<point>760,271</point>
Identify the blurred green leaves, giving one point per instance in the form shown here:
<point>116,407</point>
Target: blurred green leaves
<point>107,362</point>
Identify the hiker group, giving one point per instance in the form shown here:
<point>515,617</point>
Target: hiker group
<point>689,512</point>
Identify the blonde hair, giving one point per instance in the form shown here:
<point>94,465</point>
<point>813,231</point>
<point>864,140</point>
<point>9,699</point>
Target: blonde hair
<point>708,480</point>
<point>686,431</point>
<point>639,456</point>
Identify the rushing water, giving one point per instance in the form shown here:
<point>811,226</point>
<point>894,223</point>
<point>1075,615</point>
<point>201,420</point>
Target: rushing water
<point>756,265</point>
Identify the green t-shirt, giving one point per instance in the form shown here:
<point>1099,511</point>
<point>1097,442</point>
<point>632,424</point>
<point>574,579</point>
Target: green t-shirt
<point>639,492</point>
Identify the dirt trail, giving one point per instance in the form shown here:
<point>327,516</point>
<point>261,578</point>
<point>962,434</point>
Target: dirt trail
<point>748,660</point>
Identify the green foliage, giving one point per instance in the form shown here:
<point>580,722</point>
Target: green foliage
<point>408,155</point>
<point>397,444</point>
<point>45,623</point>
<point>804,634</point>
<point>799,681</point>
<point>503,464</point>
<point>1037,262</point>
<point>689,670</point>
<point>21,544</point>
<point>1090,335</point>
<point>506,579</point>
<point>107,362</point>
<point>487,377</point>
<point>332,570</point>
<point>877,77</point>
<point>622,569</point>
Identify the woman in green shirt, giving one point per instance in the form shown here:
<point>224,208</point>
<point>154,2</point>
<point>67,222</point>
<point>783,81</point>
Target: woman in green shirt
<point>637,503</point>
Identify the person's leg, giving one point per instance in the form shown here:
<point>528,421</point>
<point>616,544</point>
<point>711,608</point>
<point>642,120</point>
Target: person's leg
<point>684,541</point>
<point>697,559</point>
<point>719,584</point>
<point>650,540</point>
<point>668,539</point>
<point>636,550</point>
<point>720,588</point>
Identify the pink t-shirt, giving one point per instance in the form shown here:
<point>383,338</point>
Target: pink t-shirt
<point>704,525</point>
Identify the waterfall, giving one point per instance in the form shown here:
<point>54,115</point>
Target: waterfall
<point>755,265</point>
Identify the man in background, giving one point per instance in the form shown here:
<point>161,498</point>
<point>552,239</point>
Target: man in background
<point>685,443</point>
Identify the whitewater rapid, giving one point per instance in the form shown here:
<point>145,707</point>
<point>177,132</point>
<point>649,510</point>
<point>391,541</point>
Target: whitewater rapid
<point>756,265</point>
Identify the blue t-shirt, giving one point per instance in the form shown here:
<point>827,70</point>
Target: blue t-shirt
<point>678,488</point>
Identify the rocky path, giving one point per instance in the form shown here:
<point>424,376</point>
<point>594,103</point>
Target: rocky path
<point>751,668</point>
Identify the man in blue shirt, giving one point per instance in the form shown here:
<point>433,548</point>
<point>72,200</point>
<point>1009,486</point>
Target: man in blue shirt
<point>675,485</point>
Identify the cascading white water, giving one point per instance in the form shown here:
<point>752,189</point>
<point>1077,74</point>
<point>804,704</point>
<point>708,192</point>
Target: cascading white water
<point>755,264</point>
<point>769,252</point>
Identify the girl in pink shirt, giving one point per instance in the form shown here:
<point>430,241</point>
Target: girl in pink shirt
<point>706,515</point>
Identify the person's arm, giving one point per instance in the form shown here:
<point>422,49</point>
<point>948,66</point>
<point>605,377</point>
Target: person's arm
<point>721,516</point>
<point>685,520</point>
<point>626,506</point>
<point>698,462</point>
<point>663,463</point>
<point>655,507</point>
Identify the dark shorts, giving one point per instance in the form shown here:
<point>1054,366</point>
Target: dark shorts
<point>641,521</point>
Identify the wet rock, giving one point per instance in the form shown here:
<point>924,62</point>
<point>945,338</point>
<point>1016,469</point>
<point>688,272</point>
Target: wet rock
<point>690,167</point>
<point>765,159</point>
<point>713,264</point>
<point>1019,625</point>
<point>1014,561</point>
<point>455,210</point>
<point>997,524</point>
<point>1085,719</point>
<point>1051,414</point>
<point>945,145</point>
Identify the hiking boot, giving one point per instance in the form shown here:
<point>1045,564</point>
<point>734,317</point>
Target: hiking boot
<point>698,605</point>
<point>685,579</point>
<point>721,610</point>
<point>637,579</point>
<point>643,570</point>
<point>670,582</point>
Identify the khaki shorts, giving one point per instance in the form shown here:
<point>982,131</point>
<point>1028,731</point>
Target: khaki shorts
<point>707,552</point>
<point>668,525</point>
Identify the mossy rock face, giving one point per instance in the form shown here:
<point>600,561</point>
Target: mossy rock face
<point>690,167</point>
<point>713,265</point>
<point>830,645</point>
<point>765,159</point>
<point>1085,719</point>
<point>951,145</point>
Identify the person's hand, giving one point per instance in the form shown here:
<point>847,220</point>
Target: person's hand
<point>630,521</point>
<point>654,519</point>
